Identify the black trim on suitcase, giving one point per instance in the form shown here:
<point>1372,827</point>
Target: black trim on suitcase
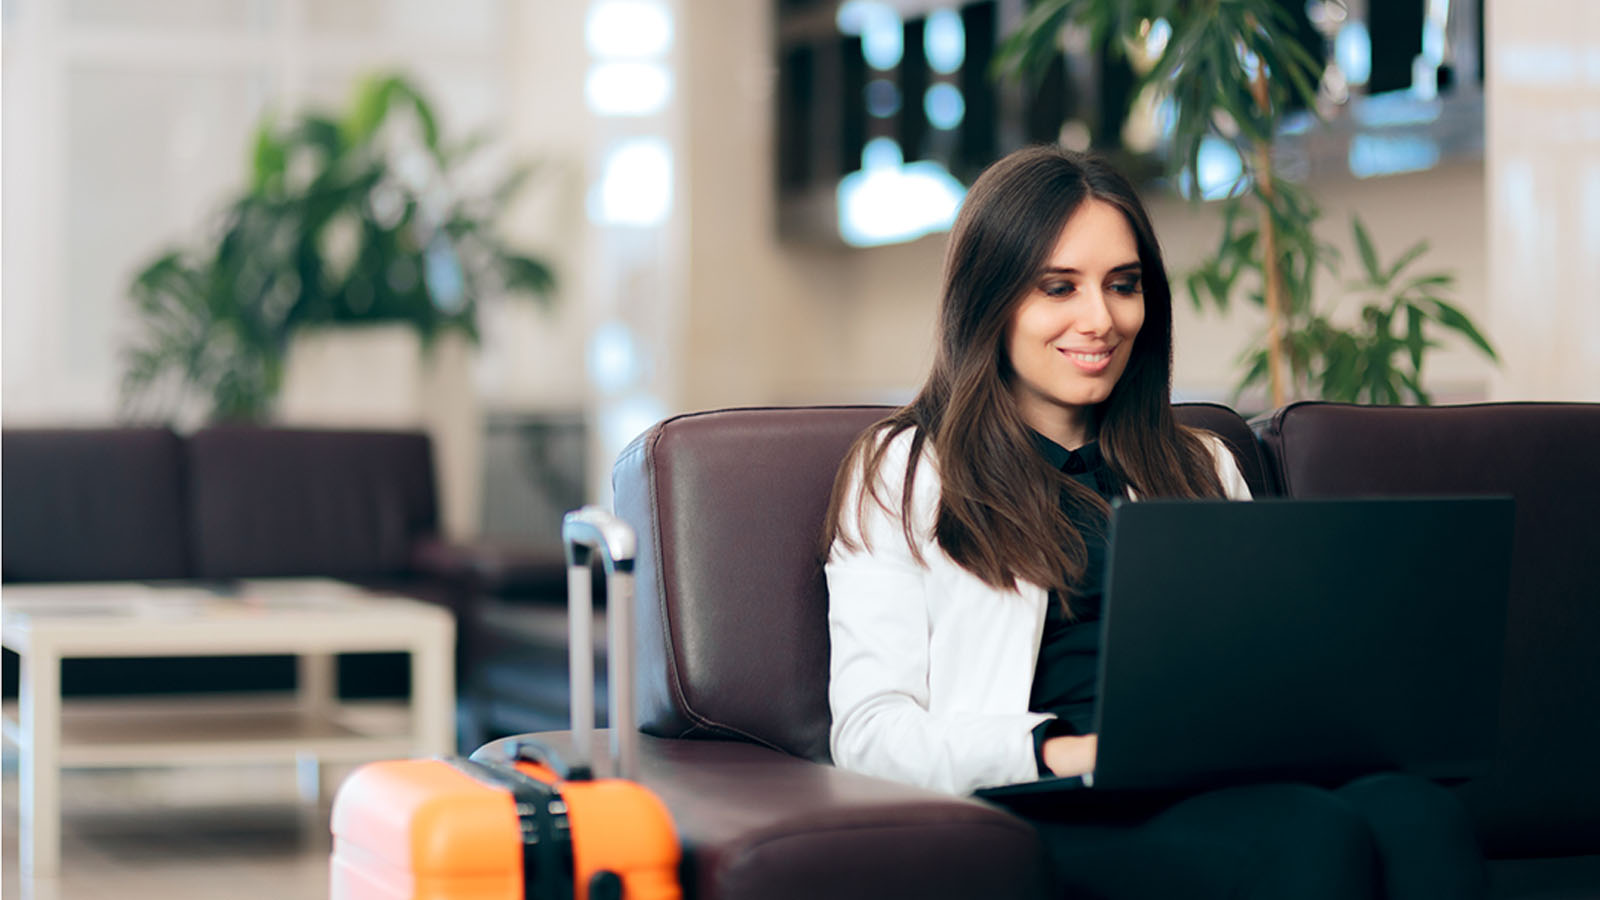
<point>546,831</point>
<point>519,748</point>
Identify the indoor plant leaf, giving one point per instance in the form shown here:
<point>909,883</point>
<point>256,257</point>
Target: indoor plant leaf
<point>1369,256</point>
<point>1454,319</point>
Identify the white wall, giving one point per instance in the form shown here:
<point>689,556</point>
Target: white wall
<point>1543,218</point>
<point>533,358</point>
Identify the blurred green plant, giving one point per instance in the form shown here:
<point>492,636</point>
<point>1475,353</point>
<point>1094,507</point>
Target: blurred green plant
<point>1376,360</point>
<point>1233,70</point>
<point>347,220</point>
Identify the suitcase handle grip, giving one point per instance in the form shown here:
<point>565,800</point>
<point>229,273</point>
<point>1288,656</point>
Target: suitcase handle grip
<point>593,529</point>
<point>522,749</point>
<point>584,533</point>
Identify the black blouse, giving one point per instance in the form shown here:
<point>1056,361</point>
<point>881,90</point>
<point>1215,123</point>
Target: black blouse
<point>1064,680</point>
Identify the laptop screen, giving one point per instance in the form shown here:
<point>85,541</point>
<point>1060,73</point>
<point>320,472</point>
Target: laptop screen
<point>1306,639</point>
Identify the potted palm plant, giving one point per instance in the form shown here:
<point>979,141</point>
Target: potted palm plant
<point>354,219</point>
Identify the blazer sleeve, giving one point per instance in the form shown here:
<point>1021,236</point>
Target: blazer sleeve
<point>1234,486</point>
<point>879,626</point>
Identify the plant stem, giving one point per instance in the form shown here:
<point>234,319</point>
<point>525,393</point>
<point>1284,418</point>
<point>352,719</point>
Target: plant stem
<point>1269,246</point>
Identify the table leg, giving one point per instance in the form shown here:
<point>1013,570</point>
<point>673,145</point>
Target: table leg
<point>308,776</point>
<point>317,684</point>
<point>317,692</point>
<point>433,693</point>
<point>39,761</point>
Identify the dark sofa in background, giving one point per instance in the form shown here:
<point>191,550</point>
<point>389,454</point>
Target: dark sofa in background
<point>100,504</point>
<point>733,647</point>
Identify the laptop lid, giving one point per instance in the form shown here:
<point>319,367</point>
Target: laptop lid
<point>1302,639</point>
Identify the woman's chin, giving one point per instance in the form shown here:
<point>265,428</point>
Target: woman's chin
<point>1078,399</point>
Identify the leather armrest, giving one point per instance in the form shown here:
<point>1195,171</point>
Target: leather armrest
<point>758,823</point>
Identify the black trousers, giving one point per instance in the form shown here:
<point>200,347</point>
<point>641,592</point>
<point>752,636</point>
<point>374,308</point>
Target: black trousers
<point>1385,836</point>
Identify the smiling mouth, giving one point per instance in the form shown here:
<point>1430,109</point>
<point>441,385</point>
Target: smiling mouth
<point>1090,358</point>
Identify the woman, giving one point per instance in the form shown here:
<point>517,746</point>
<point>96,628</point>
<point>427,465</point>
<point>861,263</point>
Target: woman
<point>966,546</point>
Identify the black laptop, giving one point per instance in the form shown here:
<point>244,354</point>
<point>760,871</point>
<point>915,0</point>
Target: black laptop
<point>1309,640</point>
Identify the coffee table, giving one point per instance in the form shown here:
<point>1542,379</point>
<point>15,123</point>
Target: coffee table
<point>312,619</point>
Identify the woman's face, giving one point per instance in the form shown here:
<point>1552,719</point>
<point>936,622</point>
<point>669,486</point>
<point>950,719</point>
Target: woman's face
<point>1071,337</point>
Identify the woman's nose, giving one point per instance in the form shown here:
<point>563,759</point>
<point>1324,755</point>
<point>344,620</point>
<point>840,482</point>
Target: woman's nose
<point>1094,315</point>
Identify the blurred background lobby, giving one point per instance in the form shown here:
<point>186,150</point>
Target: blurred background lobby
<point>724,204</point>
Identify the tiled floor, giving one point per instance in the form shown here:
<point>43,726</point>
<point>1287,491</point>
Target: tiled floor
<point>240,833</point>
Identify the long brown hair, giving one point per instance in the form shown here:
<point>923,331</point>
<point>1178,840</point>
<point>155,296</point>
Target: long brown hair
<point>1000,512</point>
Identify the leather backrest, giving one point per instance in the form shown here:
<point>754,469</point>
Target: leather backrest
<point>296,502</point>
<point>729,507</point>
<point>86,504</point>
<point>1543,793</point>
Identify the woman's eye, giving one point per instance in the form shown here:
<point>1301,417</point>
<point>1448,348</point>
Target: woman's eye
<point>1057,288</point>
<point>1128,288</point>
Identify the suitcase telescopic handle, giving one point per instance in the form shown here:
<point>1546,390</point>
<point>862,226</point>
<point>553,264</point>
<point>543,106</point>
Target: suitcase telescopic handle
<point>586,532</point>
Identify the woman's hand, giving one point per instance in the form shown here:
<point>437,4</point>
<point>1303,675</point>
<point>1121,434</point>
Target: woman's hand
<point>1070,754</point>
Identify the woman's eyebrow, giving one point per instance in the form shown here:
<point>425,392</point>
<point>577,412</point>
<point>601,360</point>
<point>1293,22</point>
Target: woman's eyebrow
<point>1068,270</point>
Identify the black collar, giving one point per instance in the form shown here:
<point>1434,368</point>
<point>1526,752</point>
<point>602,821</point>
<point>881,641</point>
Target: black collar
<point>1084,459</point>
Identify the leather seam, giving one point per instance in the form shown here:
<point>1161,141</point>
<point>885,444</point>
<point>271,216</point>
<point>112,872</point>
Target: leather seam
<point>674,680</point>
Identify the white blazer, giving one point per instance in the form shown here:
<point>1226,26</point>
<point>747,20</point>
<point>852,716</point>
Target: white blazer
<point>930,668</point>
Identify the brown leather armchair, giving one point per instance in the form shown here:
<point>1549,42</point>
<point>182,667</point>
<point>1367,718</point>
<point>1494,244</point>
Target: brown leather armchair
<point>732,672</point>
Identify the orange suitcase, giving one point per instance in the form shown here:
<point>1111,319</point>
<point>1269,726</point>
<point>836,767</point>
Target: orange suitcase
<point>528,826</point>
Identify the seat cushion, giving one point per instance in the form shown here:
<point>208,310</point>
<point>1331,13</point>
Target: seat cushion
<point>756,824</point>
